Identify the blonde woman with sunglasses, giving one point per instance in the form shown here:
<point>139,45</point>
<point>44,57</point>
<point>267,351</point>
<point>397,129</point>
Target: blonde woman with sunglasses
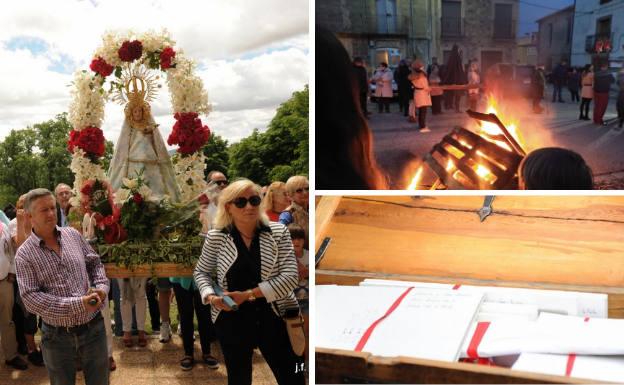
<point>253,261</point>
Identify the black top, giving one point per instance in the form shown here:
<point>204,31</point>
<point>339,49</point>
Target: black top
<point>244,274</point>
<point>360,78</point>
<point>603,81</point>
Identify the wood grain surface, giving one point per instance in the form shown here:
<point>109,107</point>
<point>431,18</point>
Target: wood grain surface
<point>553,240</point>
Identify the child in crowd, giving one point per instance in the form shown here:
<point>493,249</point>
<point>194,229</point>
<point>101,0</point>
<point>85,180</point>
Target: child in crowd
<point>422,98</point>
<point>297,234</point>
<point>553,168</point>
<point>473,79</point>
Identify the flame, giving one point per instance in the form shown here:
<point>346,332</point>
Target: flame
<point>450,165</point>
<point>414,184</point>
<point>491,129</point>
<point>482,171</point>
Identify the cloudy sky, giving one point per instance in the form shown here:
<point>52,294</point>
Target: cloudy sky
<point>252,55</point>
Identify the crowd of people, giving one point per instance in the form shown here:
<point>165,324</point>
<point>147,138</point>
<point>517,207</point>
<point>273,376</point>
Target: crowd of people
<point>594,85</point>
<point>417,89</point>
<point>344,141</point>
<point>52,280</point>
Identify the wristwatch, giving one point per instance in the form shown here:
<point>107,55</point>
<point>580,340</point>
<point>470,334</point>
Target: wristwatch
<point>251,296</point>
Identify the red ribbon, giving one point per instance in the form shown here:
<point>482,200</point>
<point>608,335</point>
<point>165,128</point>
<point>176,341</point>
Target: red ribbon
<point>570,364</point>
<point>457,286</point>
<point>369,331</point>
<point>482,327</point>
<point>572,358</point>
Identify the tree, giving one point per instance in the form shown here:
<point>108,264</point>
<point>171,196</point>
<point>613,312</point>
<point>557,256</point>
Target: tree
<point>286,139</point>
<point>281,151</point>
<point>216,153</point>
<point>52,144</point>
<point>246,159</point>
<point>37,156</point>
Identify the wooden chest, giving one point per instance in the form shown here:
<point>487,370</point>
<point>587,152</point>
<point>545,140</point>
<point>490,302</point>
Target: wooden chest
<point>573,243</point>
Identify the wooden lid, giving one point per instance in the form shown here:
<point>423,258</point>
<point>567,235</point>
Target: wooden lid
<point>561,240</point>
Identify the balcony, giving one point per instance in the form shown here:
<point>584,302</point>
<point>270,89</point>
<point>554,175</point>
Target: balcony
<point>503,29</point>
<point>600,43</point>
<point>452,26</point>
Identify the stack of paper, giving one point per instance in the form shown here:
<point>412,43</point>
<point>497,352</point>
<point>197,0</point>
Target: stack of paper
<point>395,321</point>
<point>552,301</point>
<point>601,368</point>
<point>543,331</point>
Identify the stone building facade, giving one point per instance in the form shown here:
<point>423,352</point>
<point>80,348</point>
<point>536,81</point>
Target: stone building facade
<point>484,30</point>
<point>555,37</point>
<point>382,30</point>
<point>526,53</point>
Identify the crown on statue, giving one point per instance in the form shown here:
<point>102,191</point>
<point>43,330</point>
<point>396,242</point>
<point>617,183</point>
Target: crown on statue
<point>139,88</point>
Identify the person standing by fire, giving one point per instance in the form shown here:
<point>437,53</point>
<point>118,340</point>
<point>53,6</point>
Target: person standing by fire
<point>587,91</point>
<point>620,98</point>
<point>422,99</point>
<point>602,85</point>
<point>537,83</point>
<point>383,80</point>
<point>473,79</point>
<point>454,74</point>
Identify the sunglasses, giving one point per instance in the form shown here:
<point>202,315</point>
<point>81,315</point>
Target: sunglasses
<point>300,190</point>
<point>241,202</point>
<point>221,182</point>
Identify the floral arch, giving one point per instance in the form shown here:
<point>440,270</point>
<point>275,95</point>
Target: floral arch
<point>120,53</point>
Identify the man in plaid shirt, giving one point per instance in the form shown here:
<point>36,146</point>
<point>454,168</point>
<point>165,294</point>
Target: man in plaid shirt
<point>56,268</point>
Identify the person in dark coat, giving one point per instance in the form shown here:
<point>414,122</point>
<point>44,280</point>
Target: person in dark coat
<point>574,83</point>
<point>361,78</point>
<point>404,86</point>
<point>454,74</point>
<point>538,82</point>
<point>559,76</point>
<point>620,98</point>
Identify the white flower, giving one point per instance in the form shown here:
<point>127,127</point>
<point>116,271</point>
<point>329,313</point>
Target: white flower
<point>87,109</point>
<point>88,99</point>
<point>130,183</point>
<point>145,192</point>
<point>121,196</point>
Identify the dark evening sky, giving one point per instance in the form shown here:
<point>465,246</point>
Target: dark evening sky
<point>531,10</point>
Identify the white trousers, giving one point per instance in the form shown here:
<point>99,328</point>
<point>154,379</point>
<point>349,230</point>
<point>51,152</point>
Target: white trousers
<point>132,292</point>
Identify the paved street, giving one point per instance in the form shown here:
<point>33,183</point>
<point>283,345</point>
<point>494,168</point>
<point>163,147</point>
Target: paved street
<point>157,364</point>
<point>399,145</point>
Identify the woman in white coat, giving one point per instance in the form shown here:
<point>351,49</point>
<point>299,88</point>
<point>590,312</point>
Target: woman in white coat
<point>422,96</point>
<point>383,91</point>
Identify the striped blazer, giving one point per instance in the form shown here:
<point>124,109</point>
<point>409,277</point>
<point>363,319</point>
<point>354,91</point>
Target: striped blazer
<point>277,264</point>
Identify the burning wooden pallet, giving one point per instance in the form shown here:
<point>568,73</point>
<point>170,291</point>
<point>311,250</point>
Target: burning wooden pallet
<point>467,160</point>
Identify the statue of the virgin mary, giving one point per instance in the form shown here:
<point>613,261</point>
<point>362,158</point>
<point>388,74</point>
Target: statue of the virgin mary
<point>140,145</point>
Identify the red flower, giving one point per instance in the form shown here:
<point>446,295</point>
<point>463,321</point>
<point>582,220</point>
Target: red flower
<point>137,198</point>
<point>115,233</point>
<point>188,132</point>
<point>87,188</point>
<point>109,220</point>
<point>101,67</point>
<point>130,50</point>
<point>165,57</point>
<point>90,140</point>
